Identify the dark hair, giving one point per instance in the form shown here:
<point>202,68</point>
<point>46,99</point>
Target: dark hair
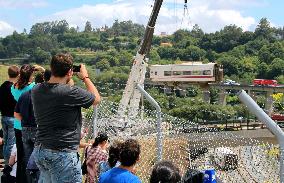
<point>47,75</point>
<point>25,73</point>
<point>130,151</point>
<point>113,154</point>
<point>99,139</point>
<point>165,172</point>
<point>39,78</point>
<point>13,71</point>
<point>61,64</point>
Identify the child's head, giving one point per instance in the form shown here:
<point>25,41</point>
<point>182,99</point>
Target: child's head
<point>130,152</point>
<point>114,152</point>
<point>165,172</point>
<point>101,139</point>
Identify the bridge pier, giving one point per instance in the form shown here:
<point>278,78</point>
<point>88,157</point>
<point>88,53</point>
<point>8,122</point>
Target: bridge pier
<point>222,98</point>
<point>206,96</point>
<point>252,94</point>
<point>269,102</point>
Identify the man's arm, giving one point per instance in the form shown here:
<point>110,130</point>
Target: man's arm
<point>12,159</point>
<point>83,75</point>
<point>18,116</point>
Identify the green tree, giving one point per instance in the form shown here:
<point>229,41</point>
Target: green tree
<point>154,56</point>
<point>228,38</point>
<point>277,50</point>
<point>263,70</point>
<point>265,55</point>
<point>277,68</point>
<point>230,65</point>
<point>263,29</point>
<point>104,37</point>
<point>196,31</point>
<point>40,56</point>
<point>88,27</point>
<point>59,27</point>
<point>103,65</point>
<point>180,35</point>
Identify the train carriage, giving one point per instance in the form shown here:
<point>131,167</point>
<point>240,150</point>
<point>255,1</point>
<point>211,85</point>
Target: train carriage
<point>187,72</point>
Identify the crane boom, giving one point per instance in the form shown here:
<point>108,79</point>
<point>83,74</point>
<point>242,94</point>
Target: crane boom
<point>131,96</point>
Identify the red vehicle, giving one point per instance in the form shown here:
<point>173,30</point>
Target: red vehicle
<point>264,82</point>
<point>277,117</point>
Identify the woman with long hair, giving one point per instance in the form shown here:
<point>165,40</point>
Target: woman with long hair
<point>23,84</point>
<point>95,155</point>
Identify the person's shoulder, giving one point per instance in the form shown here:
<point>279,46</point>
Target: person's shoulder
<point>74,90</point>
<point>105,175</point>
<point>6,83</point>
<point>133,178</point>
<point>37,87</point>
<point>6,86</point>
<point>26,95</point>
<point>28,87</point>
<point>31,85</point>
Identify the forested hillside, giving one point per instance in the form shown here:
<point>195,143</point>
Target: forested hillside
<point>245,55</point>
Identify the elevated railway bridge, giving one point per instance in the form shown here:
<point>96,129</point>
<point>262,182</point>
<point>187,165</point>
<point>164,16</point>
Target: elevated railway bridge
<point>251,90</point>
<point>225,89</point>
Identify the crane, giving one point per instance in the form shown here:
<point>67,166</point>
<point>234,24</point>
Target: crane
<point>129,104</point>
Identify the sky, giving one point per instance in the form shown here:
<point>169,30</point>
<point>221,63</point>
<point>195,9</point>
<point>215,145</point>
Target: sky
<point>210,15</point>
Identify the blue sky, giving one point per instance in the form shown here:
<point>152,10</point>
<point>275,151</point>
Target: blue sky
<point>211,15</point>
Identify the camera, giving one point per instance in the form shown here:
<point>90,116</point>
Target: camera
<point>76,68</point>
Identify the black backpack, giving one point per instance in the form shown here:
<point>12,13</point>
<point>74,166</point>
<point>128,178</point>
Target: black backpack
<point>84,165</point>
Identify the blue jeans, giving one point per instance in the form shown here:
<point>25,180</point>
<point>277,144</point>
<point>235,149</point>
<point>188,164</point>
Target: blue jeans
<point>8,136</point>
<point>28,137</point>
<point>58,166</point>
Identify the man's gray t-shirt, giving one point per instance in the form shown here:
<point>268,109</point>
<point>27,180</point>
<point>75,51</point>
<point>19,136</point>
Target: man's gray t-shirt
<point>57,109</point>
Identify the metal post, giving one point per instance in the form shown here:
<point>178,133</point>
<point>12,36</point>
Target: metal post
<point>159,130</point>
<point>271,125</point>
<point>95,118</point>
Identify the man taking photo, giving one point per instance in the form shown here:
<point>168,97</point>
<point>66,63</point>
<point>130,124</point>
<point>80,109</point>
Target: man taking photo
<point>57,109</point>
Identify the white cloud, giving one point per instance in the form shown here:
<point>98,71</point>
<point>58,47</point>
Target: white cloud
<point>229,4</point>
<point>209,16</point>
<point>23,3</point>
<point>213,20</point>
<point>5,29</point>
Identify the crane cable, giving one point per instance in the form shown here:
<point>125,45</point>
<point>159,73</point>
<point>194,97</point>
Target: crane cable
<point>185,12</point>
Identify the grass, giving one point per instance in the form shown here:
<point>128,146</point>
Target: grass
<point>173,150</point>
<point>3,73</point>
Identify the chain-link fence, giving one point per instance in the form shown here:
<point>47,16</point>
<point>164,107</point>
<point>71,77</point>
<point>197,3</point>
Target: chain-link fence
<point>189,145</point>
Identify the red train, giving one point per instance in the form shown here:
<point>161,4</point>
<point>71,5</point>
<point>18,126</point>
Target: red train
<point>264,82</point>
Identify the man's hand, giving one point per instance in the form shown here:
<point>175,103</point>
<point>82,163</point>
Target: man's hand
<point>83,75</point>
<point>83,72</point>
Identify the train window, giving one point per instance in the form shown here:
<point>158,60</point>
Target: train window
<point>156,73</point>
<point>207,72</point>
<point>186,72</point>
<point>176,73</point>
<point>167,73</point>
<point>196,73</point>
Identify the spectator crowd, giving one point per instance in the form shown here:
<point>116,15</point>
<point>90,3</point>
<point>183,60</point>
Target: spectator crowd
<point>41,123</point>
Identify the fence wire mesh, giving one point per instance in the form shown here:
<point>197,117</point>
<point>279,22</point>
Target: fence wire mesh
<point>189,145</point>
